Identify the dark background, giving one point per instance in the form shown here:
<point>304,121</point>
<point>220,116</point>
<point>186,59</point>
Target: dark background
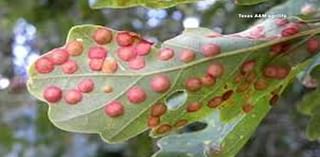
<point>29,28</point>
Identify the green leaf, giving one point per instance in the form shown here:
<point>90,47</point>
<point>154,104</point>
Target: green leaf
<point>88,115</point>
<point>217,139</point>
<point>98,4</point>
<point>310,105</point>
<point>220,139</point>
<point>249,2</point>
<point>313,129</point>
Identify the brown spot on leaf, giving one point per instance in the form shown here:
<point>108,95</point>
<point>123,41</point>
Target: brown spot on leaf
<point>247,66</point>
<point>274,99</point>
<point>261,84</point>
<point>158,110</point>
<point>193,107</point>
<point>247,108</point>
<point>215,102</point>
<point>270,71</point>
<point>153,122</point>
<point>251,77</point>
<point>181,123</point>
<point>243,87</point>
<point>164,128</point>
<point>227,95</point>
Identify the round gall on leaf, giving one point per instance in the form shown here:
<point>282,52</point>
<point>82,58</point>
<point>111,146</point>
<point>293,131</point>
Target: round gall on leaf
<point>114,109</point>
<point>110,65</point>
<point>137,63</point>
<point>215,102</point>
<point>215,70</point>
<point>69,67</point>
<point>282,72</point>
<point>248,66</point>
<point>261,84</point>
<point>126,53</point>
<point>289,31</point>
<point>164,128</point>
<point>187,56</point>
<point>59,56</point>
<point>52,94</point>
<point>74,48</point>
<point>153,122</point>
<point>247,108</point>
<point>107,89</point>
<point>276,49</point>
<point>124,39</point>
<point>160,83</point>
<point>207,80</point>
<point>102,36</point>
<point>86,86</point>
<point>308,9</point>
<point>193,107</point>
<point>142,48</point>
<point>270,71</point>
<point>313,45</point>
<point>72,97</point>
<point>210,50</point>
<point>96,64</point>
<point>166,54</point>
<point>136,95</point>
<point>281,21</point>
<point>44,65</point>
<point>97,52</point>
<point>158,110</point>
<point>193,84</point>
